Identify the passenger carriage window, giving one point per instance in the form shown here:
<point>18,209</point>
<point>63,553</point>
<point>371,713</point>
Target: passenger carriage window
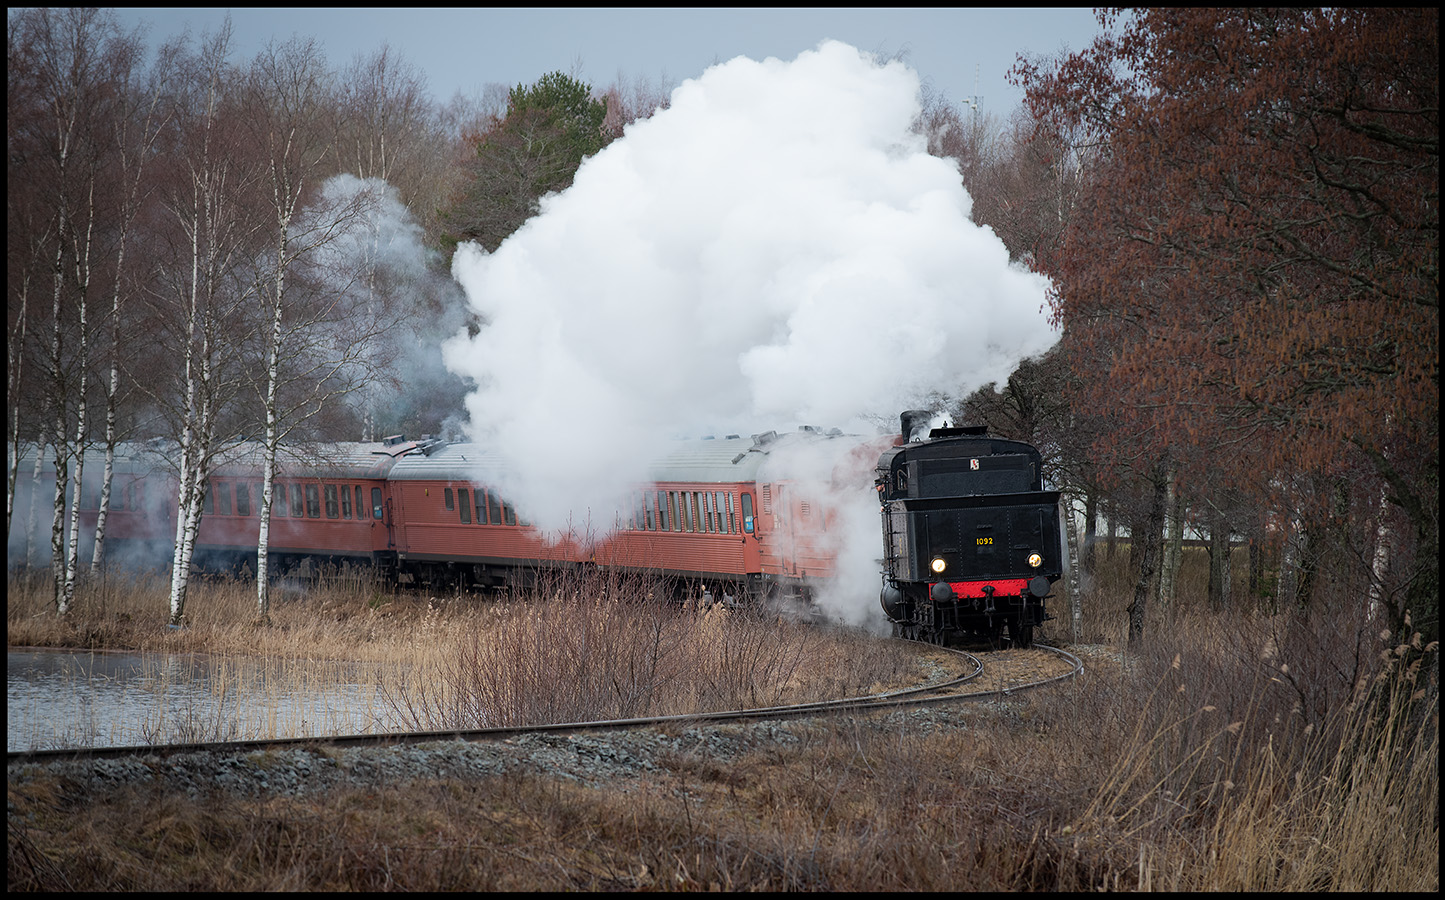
<point>509,515</point>
<point>329,492</point>
<point>672,510</point>
<point>464,506</point>
<point>448,494</point>
<point>360,503</point>
<point>278,499</point>
<point>732,516</point>
<point>481,501</point>
<point>243,498</point>
<point>346,501</point>
<point>223,498</point>
<point>707,516</point>
<point>375,502</point>
<point>696,523</point>
<point>647,522</point>
<point>494,508</point>
<point>207,503</point>
<point>662,520</point>
<point>313,501</point>
<point>749,526</point>
<point>298,507</point>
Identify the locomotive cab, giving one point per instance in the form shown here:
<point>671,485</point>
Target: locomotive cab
<point>971,540</point>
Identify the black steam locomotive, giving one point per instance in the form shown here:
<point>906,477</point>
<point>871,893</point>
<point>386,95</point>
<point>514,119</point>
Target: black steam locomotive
<point>971,540</point>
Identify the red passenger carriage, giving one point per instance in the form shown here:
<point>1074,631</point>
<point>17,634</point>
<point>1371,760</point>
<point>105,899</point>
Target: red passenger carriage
<point>329,503</point>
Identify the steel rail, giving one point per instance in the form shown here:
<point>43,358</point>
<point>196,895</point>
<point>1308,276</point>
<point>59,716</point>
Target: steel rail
<point>931,694</point>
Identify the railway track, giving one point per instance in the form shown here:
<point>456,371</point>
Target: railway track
<point>1011,672</point>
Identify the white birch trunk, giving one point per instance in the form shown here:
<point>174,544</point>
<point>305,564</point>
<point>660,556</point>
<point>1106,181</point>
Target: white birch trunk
<point>186,481</point>
<point>57,526</point>
<point>15,357</point>
<point>1285,594</point>
<point>268,474</point>
<point>82,283</point>
<point>1381,562</point>
<point>97,558</point>
<point>57,523</point>
<point>1076,606</point>
<point>1173,542</point>
<point>30,522</point>
<point>112,390</point>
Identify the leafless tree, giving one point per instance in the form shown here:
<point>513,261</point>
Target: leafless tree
<point>320,326</point>
<point>205,285</point>
<point>137,121</point>
<point>62,65</point>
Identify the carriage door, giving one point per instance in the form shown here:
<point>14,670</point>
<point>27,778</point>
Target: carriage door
<point>787,542</point>
<point>381,512</point>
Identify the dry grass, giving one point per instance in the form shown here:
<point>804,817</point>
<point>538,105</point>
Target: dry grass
<point>339,615</point>
<point>578,650</point>
<point>1239,751</point>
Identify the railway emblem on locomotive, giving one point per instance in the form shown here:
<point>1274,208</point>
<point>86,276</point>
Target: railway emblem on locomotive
<point>973,464</point>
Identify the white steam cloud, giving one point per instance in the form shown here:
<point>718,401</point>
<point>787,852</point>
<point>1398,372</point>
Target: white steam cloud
<point>776,247</point>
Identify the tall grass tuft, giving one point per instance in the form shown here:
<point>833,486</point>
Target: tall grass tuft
<point>1270,754</point>
<point>586,645</point>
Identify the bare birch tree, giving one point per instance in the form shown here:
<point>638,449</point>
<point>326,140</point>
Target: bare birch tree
<point>136,124</point>
<point>317,341</point>
<point>61,84</point>
<point>205,280</point>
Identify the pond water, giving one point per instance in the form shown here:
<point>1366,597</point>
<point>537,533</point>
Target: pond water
<point>58,699</point>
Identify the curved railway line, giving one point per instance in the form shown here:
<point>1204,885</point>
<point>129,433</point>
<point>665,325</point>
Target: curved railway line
<point>1014,671</point>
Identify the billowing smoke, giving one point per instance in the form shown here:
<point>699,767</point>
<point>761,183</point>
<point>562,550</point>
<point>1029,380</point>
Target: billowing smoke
<point>378,262</point>
<point>775,248</point>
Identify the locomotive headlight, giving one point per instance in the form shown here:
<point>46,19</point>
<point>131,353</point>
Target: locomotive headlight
<point>1035,560</point>
<point>938,565</point>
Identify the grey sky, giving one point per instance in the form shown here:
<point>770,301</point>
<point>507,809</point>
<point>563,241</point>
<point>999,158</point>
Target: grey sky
<point>959,51</point>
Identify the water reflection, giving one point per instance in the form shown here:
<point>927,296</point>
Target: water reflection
<point>57,699</point>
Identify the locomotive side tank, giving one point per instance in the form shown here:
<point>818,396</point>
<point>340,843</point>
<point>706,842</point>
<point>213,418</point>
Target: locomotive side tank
<point>971,540</point>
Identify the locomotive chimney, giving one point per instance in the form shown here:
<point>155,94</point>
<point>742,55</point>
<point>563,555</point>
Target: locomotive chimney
<point>913,420</point>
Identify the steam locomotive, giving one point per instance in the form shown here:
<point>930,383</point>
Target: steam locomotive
<point>971,540</point>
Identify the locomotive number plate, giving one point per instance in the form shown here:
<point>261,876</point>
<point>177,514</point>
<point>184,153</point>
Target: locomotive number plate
<point>983,540</point>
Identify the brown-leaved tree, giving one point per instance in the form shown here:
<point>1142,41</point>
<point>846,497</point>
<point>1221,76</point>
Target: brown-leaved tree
<point>1253,270</point>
